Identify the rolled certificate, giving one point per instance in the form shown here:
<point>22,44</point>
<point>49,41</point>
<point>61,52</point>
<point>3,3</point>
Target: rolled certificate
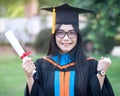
<point>14,42</point>
<point>16,45</point>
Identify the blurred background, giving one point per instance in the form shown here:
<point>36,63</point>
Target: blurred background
<point>32,27</point>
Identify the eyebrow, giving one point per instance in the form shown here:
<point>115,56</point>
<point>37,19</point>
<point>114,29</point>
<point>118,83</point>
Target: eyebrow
<point>67,31</point>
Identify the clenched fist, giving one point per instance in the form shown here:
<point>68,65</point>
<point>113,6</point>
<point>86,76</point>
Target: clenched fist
<point>103,63</point>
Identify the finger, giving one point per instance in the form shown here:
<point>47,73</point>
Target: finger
<point>109,61</point>
<point>31,65</point>
<point>27,65</point>
<point>30,69</point>
<point>102,57</point>
<point>27,60</point>
<point>27,68</point>
<point>34,66</point>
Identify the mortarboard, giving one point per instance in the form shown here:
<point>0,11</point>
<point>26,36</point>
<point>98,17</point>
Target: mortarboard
<point>65,14</point>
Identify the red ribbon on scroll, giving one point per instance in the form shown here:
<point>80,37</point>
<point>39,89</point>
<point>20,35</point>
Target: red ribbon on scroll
<point>25,54</point>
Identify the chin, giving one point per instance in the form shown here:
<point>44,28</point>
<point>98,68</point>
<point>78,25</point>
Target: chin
<point>65,51</point>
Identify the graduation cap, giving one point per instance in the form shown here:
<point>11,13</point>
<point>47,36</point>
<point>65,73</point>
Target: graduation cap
<point>65,14</point>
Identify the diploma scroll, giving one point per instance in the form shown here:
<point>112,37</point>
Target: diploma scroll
<point>16,45</point>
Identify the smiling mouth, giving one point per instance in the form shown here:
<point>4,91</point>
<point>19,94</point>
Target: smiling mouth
<point>66,44</point>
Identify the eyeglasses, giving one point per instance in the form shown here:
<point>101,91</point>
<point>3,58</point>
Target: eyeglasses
<point>61,33</point>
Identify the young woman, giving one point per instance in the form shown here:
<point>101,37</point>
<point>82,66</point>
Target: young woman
<point>66,70</point>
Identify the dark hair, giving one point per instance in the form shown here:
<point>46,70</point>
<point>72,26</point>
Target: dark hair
<point>80,59</point>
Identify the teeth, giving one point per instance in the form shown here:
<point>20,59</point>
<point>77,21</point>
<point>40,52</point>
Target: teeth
<point>66,43</point>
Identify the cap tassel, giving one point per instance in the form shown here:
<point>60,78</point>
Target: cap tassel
<point>54,20</point>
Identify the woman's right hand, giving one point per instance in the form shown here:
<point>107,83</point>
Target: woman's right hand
<point>28,67</point>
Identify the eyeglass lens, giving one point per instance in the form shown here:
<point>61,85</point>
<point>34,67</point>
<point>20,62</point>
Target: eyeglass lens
<point>61,33</point>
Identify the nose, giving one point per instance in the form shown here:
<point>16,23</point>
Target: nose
<point>66,37</point>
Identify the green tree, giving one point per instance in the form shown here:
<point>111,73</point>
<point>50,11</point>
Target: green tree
<point>106,23</point>
<point>42,41</point>
<point>12,8</point>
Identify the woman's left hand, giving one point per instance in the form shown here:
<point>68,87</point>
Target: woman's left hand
<point>104,63</point>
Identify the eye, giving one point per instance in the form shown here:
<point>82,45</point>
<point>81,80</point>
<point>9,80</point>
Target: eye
<point>60,33</point>
<point>72,32</point>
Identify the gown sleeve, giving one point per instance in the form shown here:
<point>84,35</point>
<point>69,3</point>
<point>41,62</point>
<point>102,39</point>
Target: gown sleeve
<point>95,89</point>
<point>37,89</point>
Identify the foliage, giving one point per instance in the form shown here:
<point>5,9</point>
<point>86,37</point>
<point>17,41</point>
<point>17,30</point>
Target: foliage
<point>42,41</point>
<point>105,24</point>
<point>117,39</point>
<point>12,8</point>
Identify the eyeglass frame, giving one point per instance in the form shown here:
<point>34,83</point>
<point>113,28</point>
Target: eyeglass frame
<point>66,33</point>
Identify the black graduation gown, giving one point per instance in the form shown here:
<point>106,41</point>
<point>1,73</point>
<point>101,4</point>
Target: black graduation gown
<point>44,80</point>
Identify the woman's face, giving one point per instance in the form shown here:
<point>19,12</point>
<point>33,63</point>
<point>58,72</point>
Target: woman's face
<point>66,38</point>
